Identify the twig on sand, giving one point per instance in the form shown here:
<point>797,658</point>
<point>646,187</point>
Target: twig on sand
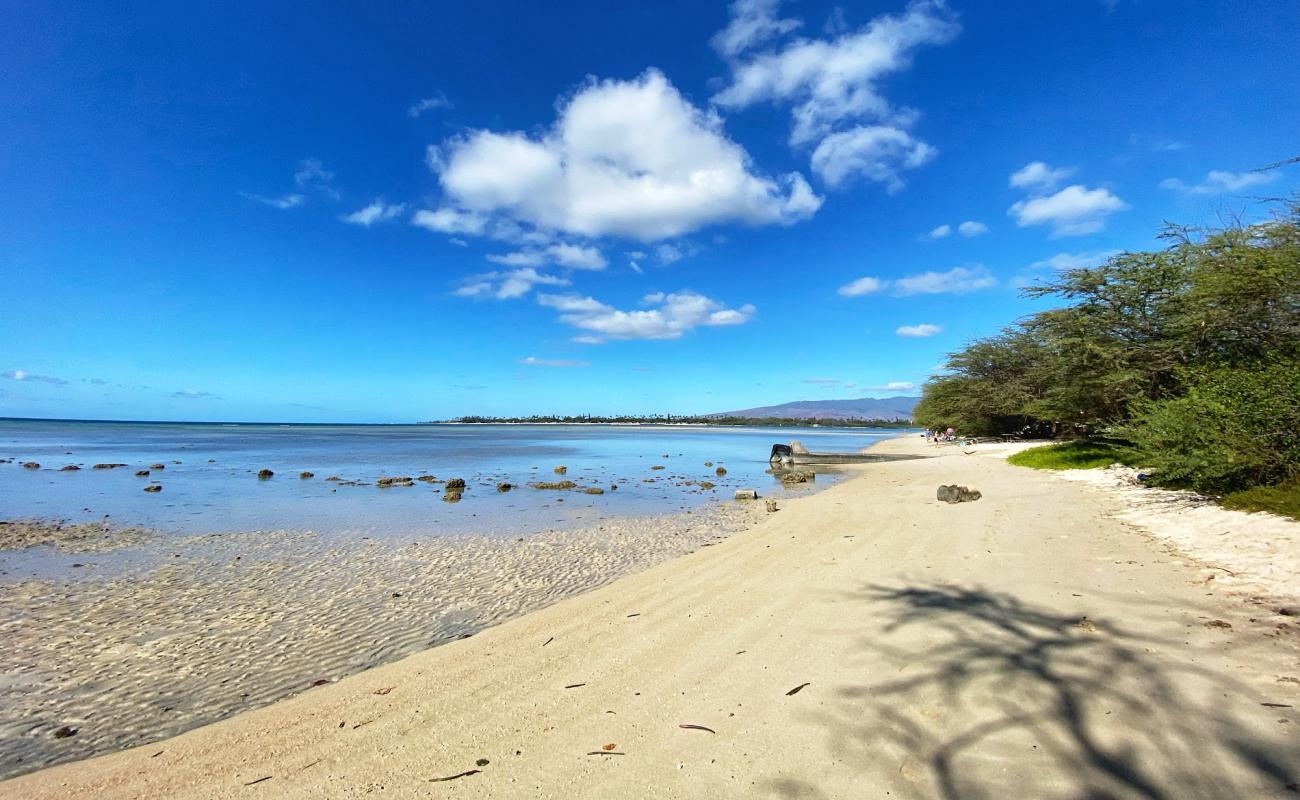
<point>606,753</point>
<point>689,727</point>
<point>796,689</point>
<point>575,685</point>
<point>548,641</point>
<point>259,780</point>
<point>464,774</point>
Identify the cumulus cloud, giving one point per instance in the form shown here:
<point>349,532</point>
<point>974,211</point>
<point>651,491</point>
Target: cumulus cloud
<point>507,284</point>
<point>1073,211</point>
<point>832,84</point>
<point>863,286</point>
<point>624,158</point>
<point>24,375</point>
<point>941,232</point>
<point>1038,176</point>
<point>561,363</point>
<point>667,316</point>
<point>1064,261</point>
<point>428,104</point>
<point>1220,182</point>
<point>874,152</point>
<point>378,211</point>
<point>918,331</point>
<point>958,280</point>
<point>752,22</point>
<point>972,228</point>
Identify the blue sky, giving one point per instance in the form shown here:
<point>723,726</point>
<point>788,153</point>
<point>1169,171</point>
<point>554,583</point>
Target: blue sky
<point>403,212</point>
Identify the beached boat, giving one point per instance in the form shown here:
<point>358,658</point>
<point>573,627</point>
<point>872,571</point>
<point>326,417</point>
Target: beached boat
<point>796,454</point>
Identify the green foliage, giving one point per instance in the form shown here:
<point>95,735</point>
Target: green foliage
<point>1191,352</point>
<point>1235,427</point>
<point>1282,499</point>
<point>1079,454</point>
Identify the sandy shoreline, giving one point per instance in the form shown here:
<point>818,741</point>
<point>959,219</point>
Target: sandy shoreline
<point>1025,645</point>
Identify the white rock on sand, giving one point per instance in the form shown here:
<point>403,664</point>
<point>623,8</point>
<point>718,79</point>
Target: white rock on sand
<point>868,641</point>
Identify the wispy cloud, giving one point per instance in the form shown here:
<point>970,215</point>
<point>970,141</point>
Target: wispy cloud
<point>428,104</point>
<point>311,175</point>
<point>283,202</point>
<point>918,331</point>
<point>1064,261</point>
<point>194,394</point>
<point>378,211</point>
<point>958,280</point>
<point>941,232</point>
<point>862,286</point>
<point>559,363</point>
<point>665,316</point>
<point>24,375</point>
<point>506,285</point>
<point>1221,182</point>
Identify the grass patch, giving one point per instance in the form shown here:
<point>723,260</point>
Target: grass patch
<point>1282,499</point>
<point>1081,454</point>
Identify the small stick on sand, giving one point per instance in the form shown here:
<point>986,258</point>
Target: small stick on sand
<point>464,774</point>
<point>688,727</point>
<point>605,753</point>
<point>548,641</point>
<point>796,689</point>
<point>575,685</point>
<point>259,780</point>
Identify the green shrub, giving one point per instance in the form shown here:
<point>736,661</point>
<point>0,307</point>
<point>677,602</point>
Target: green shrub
<point>1236,427</point>
<point>1081,454</point>
<point>1282,499</point>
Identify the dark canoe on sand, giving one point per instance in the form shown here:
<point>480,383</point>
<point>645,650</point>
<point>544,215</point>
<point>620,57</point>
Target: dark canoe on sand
<point>784,454</point>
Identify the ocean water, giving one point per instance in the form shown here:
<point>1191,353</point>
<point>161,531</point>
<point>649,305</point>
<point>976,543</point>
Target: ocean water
<point>210,482</point>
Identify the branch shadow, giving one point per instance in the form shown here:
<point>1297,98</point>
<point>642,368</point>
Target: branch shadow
<point>997,698</point>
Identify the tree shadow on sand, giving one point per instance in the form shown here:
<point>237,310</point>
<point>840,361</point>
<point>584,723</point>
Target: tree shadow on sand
<point>994,698</point>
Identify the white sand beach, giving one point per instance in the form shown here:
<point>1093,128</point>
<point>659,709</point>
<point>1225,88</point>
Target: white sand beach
<point>865,641</point>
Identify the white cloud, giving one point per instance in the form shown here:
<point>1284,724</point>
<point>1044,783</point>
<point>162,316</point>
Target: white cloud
<point>565,255</point>
<point>671,315</point>
<point>587,340</point>
<point>1073,211</point>
<point>972,228</point>
<point>506,285</point>
<point>312,175</point>
<point>194,394</point>
<point>832,84</point>
<point>522,258</point>
<point>894,386</point>
<point>753,22</point>
<point>958,280</point>
<point>428,104</point>
<point>862,286</point>
<point>450,220</point>
<point>624,158</point>
<point>1064,261</point>
<point>24,375</point>
<point>940,232</point>
<point>561,363</point>
<point>377,211</point>
<point>1221,182</point>
<point>875,152</point>
<point>283,202</point>
<point>1037,176</point>
<point>918,331</point>
<point>669,253</point>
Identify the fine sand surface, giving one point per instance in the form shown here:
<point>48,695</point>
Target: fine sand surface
<point>866,641</point>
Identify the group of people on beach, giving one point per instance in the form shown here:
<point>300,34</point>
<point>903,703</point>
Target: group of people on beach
<point>936,437</point>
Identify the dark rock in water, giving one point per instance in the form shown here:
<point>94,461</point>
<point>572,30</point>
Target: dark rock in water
<point>69,468</point>
<point>456,483</point>
<point>142,473</point>
<point>109,466</point>
<point>504,486</point>
<point>427,479</point>
<point>796,476</point>
<point>263,474</point>
<point>31,465</point>
<point>65,732</point>
<point>613,487</point>
<point>305,475</point>
<point>553,485</point>
<point>592,490</point>
<point>708,463</point>
<point>212,461</point>
<point>334,478</point>
<point>957,494</point>
<point>658,466</point>
<point>452,495</point>
<point>157,466</point>
<point>560,470</point>
<point>384,483</point>
<point>153,487</point>
<point>707,484</point>
<point>720,471</point>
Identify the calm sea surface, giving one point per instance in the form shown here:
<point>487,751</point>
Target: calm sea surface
<point>210,484</point>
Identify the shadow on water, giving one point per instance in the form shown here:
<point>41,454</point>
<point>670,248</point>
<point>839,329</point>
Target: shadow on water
<point>996,698</point>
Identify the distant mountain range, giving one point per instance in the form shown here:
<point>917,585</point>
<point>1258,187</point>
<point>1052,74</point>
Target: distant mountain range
<point>861,408</point>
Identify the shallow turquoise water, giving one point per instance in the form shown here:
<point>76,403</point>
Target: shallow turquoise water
<point>214,487</point>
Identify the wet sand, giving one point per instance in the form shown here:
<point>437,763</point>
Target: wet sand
<point>864,641</point>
